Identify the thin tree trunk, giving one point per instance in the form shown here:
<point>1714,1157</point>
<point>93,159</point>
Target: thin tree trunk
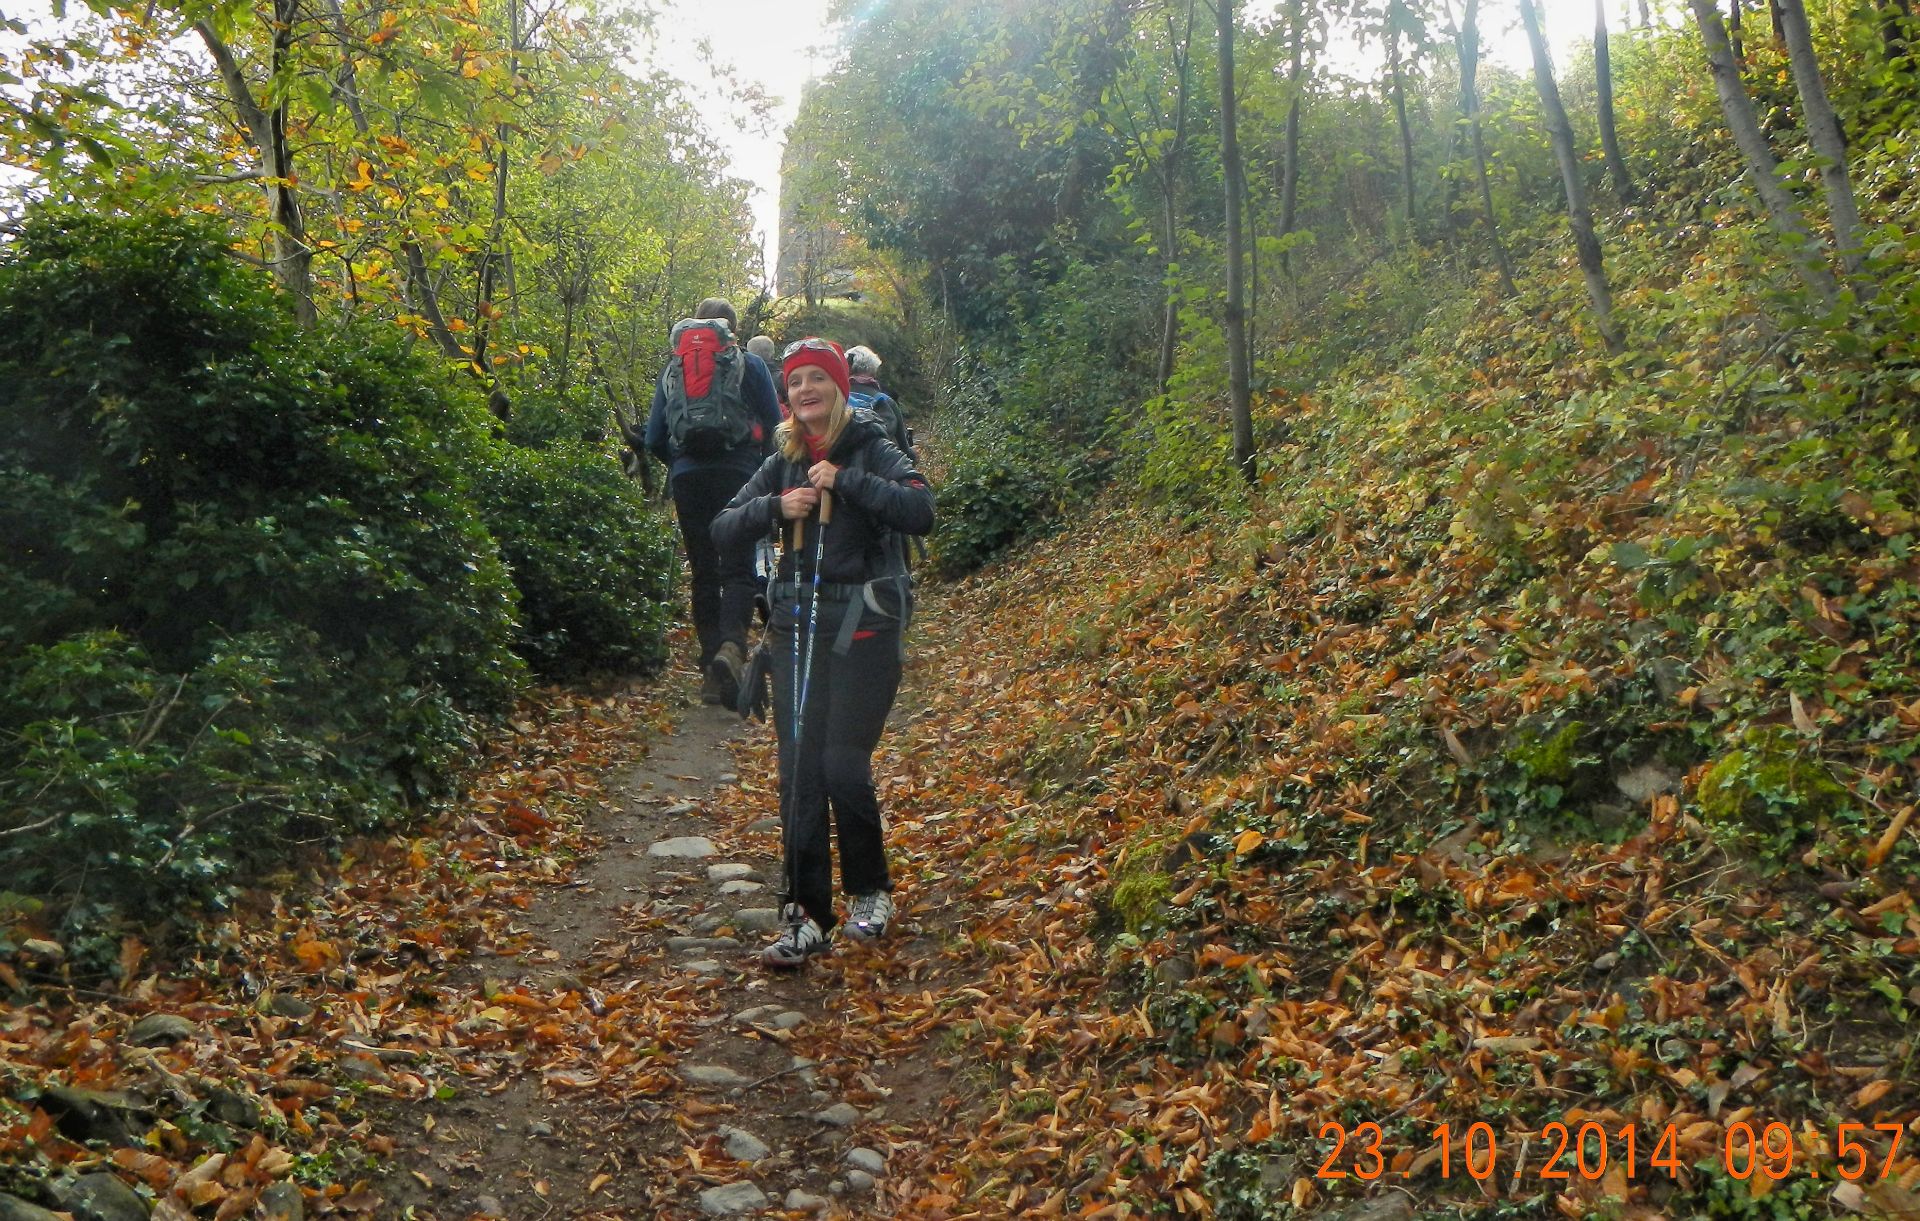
<point>267,132</point>
<point>1646,16</point>
<point>1802,246</point>
<point>1586,244</point>
<point>1603,84</point>
<point>1896,22</point>
<point>1736,19</point>
<point>1239,377</point>
<point>1824,134</point>
<point>1290,156</point>
<point>1469,46</point>
<point>419,284</point>
<point>1398,92</point>
<point>1170,168</point>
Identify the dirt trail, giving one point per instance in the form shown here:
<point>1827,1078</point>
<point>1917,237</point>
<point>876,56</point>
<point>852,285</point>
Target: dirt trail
<point>764,1099</point>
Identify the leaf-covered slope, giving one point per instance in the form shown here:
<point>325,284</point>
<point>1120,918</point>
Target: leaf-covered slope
<point>1539,749</point>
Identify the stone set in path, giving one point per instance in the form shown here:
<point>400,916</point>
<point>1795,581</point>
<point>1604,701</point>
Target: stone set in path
<point>859,1168</point>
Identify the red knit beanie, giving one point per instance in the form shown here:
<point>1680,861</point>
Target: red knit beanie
<point>821,353</point>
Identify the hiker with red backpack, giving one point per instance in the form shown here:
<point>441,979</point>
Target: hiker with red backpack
<point>714,412</point>
<point>838,489</point>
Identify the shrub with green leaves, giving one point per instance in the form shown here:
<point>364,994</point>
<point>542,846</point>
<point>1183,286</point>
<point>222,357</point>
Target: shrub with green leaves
<point>593,562</point>
<point>246,597</point>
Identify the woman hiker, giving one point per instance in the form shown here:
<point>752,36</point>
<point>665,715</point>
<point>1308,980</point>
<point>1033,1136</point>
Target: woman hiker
<point>837,487</point>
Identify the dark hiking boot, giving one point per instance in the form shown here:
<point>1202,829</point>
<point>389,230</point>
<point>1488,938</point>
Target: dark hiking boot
<point>724,672</point>
<point>710,686</point>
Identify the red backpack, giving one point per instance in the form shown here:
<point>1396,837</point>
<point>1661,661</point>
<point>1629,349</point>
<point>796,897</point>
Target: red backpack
<point>707,415</point>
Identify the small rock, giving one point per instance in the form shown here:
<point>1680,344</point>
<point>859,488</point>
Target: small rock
<point>83,1115</point>
<point>102,1197</point>
<point>764,824</point>
<point>742,1145</point>
<point>818,1095</point>
<point>683,808</point>
<point>1391,1207</point>
<point>539,1127</point>
<point>1606,962</point>
<point>757,919</point>
<point>804,1202</point>
<point>859,1182</point>
<point>682,945</point>
<point>13,1208</point>
<point>281,1005</point>
<point>1647,781</point>
<point>869,1160</point>
<point>156,1029</point>
<point>749,1017</point>
<point>741,887</point>
<point>788,1020</point>
<point>730,871</point>
<point>840,1115</point>
<point>708,923</point>
<point>489,1205</point>
<point>716,1076</point>
<point>363,1067</point>
<point>233,1107</point>
<point>282,1202</point>
<point>728,778</point>
<point>732,1200</point>
<point>1173,971</point>
<point>837,1188</point>
<point>686,847</point>
<point>703,966</point>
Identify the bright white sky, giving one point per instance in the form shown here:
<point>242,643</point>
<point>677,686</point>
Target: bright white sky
<point>777,44</point>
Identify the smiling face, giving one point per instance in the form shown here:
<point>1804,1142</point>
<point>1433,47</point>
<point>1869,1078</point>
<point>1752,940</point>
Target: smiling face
<point>811,394</point>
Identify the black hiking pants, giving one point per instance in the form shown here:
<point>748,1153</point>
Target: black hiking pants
<point>830,774</point>
<point>723,586</point>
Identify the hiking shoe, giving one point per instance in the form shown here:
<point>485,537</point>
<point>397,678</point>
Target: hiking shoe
<point>796,943</point>
<point>710,686</point>
<point>723,674</point>
<point>869,915</point>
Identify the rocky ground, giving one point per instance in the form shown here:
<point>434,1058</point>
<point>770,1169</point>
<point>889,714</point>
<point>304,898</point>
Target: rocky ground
<point>767,1111</point>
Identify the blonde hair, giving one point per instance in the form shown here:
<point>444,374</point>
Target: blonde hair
<point>791,436</point>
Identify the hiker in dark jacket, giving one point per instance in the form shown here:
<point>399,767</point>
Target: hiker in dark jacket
<point>864,391</point>
<point>723,584</point>
<point>839,649</point>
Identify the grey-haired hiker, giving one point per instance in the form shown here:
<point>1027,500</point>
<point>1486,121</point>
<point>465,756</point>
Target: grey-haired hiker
<point>838,605</point>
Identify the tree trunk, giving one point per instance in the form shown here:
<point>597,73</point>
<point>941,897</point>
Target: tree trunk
<point>1735,20</point>
<point>1170,168</point>
<point>1586,244</point>
<point>1824,134</point>
<point>419,284</point>
<point>1469,46</point>
<point>267,132</point>
<point>1603,84</point>
<point>1399,95</point>
<point>1802,246</point>
<point>1290,163</point>
<point>1239,377</point>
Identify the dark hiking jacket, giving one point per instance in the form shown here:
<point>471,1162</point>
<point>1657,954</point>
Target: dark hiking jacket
<point>877,493</point>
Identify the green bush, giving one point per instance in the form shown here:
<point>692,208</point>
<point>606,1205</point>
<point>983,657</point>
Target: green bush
<point>999,490</point>
<point>246,595</point>
<point>594,563</point>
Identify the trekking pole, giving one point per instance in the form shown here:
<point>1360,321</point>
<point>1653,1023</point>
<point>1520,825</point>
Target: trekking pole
<point>803,680</point>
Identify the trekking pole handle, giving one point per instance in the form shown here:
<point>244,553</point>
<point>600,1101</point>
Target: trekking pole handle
<point>826,507</point>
